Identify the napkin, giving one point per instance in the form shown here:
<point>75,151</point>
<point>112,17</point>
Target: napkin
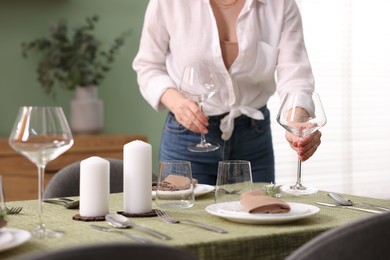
<point>175,183</point>
<point>255,201</point>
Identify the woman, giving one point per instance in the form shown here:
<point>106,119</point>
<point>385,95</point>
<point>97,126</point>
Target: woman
<point>247,41</point>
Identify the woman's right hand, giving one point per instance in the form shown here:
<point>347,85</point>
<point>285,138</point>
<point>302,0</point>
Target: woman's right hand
<point>186,111</point>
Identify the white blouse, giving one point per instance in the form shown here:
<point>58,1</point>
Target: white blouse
<point>177,33</point>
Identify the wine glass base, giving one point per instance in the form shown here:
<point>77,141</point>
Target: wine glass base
<point>299,190</point>
<point>202,147</point>
<point>41,232</point>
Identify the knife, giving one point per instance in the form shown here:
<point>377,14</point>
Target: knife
<point>150,232</point>
<point>348,207</point>
<point>204,226</point>
<point>137,238</point>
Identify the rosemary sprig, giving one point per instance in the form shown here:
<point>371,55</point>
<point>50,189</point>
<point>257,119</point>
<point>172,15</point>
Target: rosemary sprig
<point>272,190</point>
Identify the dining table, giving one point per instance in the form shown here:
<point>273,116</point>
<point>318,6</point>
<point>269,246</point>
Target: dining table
<point>269,240</point>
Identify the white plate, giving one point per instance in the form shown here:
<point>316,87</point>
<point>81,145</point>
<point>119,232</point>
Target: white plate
<point>199,190</point>
<point>12,237</point>
<point>233,211</point>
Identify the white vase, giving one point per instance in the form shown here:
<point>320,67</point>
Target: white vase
<point>86,111</point>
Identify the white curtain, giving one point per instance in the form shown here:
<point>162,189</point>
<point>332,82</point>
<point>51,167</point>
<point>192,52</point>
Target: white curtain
<point>348,42</point>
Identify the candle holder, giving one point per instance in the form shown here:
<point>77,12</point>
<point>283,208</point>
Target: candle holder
<point>152,213</point>
<point>87,219</point>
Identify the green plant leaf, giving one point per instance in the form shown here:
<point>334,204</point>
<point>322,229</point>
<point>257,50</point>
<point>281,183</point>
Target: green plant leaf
<point>71,58</point>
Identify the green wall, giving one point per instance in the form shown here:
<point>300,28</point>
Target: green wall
<point>124,108</point>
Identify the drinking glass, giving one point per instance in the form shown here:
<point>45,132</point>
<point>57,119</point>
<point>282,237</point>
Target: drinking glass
<point>301,114</point>
<point>41,134</point>
<point>199,83</point>
<point>174,187</point>
<point>234,178</point>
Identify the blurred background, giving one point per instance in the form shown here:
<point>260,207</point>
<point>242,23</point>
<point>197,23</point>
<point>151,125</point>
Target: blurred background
<point>347,42</point>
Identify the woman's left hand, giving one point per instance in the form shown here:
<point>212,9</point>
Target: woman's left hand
<point>305,147</point>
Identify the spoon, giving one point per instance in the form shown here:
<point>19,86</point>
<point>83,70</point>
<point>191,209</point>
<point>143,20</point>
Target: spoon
<point>347,202</point>
<point>120,221</point>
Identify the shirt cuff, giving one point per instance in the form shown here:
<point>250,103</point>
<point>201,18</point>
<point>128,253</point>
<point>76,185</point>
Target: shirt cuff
<point>155,89</point>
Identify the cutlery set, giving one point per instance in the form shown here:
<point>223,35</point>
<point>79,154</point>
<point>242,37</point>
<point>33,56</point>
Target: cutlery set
<point>348,207</point>
<point>345,203</point>
<point>121,222</point>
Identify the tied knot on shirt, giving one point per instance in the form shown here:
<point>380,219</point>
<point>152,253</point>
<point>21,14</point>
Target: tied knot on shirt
<point>227,123</point>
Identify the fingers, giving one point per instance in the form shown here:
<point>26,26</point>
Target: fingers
<point>186,112</point>
<point>305,147</point>
<point>309,145</point>
<point>191,117</point>
<point>292,140</point>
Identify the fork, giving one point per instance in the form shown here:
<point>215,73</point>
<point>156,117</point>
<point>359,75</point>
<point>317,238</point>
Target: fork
<point>229,192</point>
<point>170,220</point>
<point>14,210</point>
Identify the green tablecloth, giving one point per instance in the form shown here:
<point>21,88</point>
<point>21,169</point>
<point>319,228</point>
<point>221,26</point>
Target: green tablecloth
<point>244,241</point>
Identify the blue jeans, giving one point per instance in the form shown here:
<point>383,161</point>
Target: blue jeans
<point>251,140</point>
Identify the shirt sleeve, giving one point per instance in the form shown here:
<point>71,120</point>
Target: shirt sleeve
<point>150,61</point>
<point>294,71</point>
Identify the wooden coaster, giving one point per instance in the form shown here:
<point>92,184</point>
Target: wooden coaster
<point>81,218</point>
<point>139,215</point>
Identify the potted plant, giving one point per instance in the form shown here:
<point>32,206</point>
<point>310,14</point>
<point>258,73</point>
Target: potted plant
<point>75,61</point>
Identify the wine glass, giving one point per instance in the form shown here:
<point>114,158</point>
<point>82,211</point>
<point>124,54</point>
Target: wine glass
<point>41,134</point>
<point>3,209</point>
<point>199,83</point>
<point>301,114</point>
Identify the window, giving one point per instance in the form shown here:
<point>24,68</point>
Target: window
<point>348,42</point>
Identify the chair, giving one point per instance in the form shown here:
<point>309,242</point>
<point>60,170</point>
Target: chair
<point>66,182</point>
<point>116,251</point>
<point>367,238</point>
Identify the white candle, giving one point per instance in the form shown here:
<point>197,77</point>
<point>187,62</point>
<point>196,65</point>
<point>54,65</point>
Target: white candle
<point>94,187</point>
<point>137,177</point>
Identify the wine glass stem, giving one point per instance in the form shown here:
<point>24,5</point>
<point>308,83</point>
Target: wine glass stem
<point>41,183</point>
<point>202,139</point>
<point>299,183</point>
<point>202,135</point>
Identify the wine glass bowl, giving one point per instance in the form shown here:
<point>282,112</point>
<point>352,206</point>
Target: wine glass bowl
<point>199,83</point>
<point>301,114</point>
<point>41,134</point>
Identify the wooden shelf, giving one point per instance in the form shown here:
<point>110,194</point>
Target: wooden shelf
<point>20,176</point>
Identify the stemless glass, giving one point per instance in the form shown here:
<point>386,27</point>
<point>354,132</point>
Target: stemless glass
<point>174,187</point>
<point>301,114</point>
<point>41,134</point>
<point>234,178</point>
<point>199,83</point>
